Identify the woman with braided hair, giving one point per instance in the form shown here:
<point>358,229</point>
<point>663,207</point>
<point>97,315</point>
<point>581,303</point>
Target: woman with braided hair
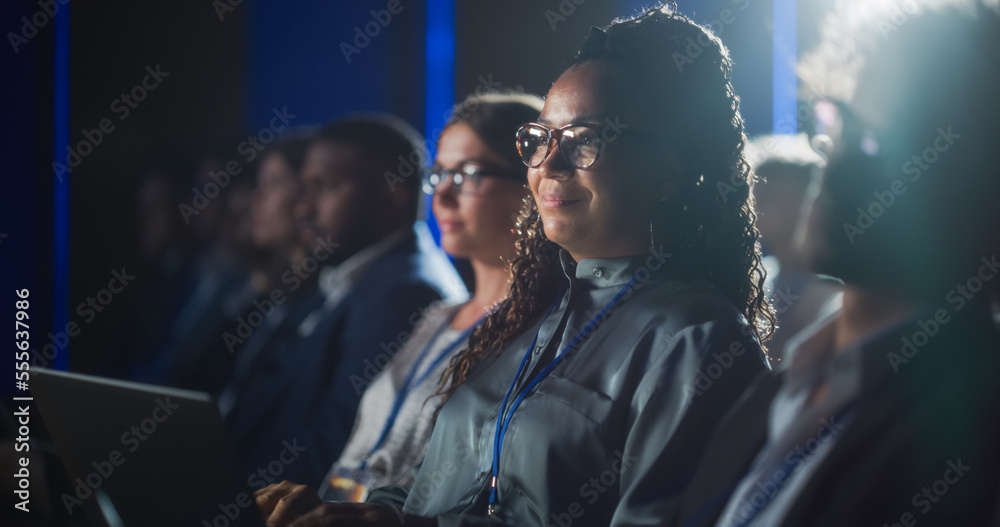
<point>635,313</point>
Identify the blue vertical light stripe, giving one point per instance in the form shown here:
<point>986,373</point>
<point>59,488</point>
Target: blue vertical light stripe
<point>784,84</point>
<point>60,223</point>
<point>440,78</point>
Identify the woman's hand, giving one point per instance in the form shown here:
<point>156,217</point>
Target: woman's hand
<point>287,504</point>
<point>360,515</point>
<point>282,503</point>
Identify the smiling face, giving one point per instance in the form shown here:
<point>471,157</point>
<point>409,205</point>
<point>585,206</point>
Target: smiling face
<point>602,211</point>
<point>476,225</point>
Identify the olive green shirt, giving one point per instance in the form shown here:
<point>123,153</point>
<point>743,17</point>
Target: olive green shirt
<point>618,425</point>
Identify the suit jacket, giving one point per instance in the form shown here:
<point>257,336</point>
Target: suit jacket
<point>297,405</point>
<point>922,449</point>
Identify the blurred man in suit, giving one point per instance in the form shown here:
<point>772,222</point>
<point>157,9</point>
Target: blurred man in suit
<point>377,269</point>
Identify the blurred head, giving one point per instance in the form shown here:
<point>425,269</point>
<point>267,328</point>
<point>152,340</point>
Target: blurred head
<point>221,195</point>
<point>205,224</point>
<point>361,180</point>
<point>909,198</point>
<point>235,228</point>
<point>162,188</point>
<point>164,184</point>
<point>786,166</point>
<point>478,179</point>
<point>213,174</point>
<point>273,223</point>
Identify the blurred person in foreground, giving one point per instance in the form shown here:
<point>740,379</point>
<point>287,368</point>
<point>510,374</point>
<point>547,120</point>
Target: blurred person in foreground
<point>788,170</point>
<point>479,183</point>
<point>377,269</point>
<point>886,413</point>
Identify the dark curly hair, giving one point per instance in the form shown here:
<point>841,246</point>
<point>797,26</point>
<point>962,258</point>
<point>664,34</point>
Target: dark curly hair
<point>712,213</point>
<point>495,117</point>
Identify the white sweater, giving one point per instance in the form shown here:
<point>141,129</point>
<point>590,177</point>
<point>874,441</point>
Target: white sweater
<point>396,460</point>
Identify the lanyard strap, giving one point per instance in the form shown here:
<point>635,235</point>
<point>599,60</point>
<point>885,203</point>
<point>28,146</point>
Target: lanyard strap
<point>412,380</point>
<point>787,469</point>
<point>505,415</point>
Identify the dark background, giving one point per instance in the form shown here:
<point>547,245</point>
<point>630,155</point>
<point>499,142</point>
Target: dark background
<point>228,71</point>
<point>225,78</point>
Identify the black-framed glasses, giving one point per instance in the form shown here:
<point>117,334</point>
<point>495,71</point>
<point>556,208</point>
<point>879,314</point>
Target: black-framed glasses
<point>466,179</point>
<point>580,144</point>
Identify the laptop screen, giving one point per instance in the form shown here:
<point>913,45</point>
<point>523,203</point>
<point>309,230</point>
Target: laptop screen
<point>160,456</point>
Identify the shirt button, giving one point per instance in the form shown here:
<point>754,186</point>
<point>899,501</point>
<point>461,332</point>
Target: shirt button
<point>599,272</point>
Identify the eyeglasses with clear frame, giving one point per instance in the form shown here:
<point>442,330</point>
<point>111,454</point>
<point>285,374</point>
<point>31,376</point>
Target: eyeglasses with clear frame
<point>466,179</point>
<point>580,144</point>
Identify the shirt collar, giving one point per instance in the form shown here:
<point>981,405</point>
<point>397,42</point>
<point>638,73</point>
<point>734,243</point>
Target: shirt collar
<point>609,272</point>
<point>807,350</point>
<point>813,350</point>
<point>334,280</point>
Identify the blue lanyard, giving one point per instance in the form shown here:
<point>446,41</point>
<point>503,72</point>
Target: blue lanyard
<point>410,384</point>
<point>503,421</point>
<point>789,468</point>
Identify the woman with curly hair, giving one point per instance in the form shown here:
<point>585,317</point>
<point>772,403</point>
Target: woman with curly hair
<point>635,313</point>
